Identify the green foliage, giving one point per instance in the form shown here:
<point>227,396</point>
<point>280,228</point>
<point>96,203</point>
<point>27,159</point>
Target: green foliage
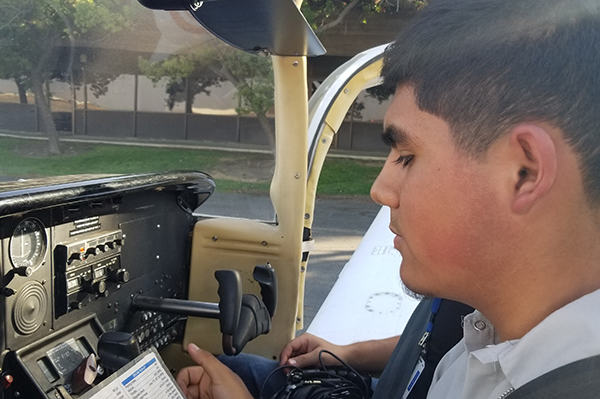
<point>30,30</point>
<point>321,13</point>
<point>255,84</point>
<point>212,64</point>
<point>109,15</point>
<point>191,71</point>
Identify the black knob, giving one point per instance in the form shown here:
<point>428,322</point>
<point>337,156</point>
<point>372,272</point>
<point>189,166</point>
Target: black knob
<point>120,276</point>
<point>76,256</point>
<point>93,251</point>
<point>123,275</point>
<point>99,287</point>
<point>24,271</point>
<point>8,291</point>
<point>76,305</point>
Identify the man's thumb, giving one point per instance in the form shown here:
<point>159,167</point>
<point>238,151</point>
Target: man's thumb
<point>205,359</point>
<point>304,360</point>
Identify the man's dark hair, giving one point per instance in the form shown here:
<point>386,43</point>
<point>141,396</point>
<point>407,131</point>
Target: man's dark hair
<point>486,65</point>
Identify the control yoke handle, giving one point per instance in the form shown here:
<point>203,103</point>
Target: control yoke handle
<point>241,317</point>
<point>230,305</point>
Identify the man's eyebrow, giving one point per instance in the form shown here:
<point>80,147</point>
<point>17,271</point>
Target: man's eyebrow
<point>394,136</point>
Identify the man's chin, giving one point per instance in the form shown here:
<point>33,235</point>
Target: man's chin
<point>414,294</point>
<point>412,290</point>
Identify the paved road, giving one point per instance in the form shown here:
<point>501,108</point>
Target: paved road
<point>338,228</point>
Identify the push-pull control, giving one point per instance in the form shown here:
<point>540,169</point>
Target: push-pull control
<point>241,317</point>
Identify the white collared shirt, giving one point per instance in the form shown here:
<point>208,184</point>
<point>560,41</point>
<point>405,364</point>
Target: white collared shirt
<point>480,367</point>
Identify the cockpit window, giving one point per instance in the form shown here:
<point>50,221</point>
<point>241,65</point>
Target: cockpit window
<point>110,87</point>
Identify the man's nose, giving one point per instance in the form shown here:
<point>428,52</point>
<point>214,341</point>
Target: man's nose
<point>381,190</point>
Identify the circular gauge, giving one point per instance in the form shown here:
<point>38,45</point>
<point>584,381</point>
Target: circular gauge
<point>28,244</point>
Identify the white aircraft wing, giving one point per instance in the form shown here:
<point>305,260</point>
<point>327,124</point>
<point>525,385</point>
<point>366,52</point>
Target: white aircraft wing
<point>367,301</point>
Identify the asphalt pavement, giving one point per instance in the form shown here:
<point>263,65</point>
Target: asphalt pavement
<point>338,227</point>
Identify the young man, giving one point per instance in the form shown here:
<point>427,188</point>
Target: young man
<point>493,181</point>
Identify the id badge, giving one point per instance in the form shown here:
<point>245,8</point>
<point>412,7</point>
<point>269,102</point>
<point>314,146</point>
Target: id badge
<point>414,377</point>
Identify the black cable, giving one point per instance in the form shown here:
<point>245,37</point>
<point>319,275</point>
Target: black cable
<point>364,384</point>
<point>262,388</point>
<point>320,384</point>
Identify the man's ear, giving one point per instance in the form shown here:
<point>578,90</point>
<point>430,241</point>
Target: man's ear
<point>535,163</point>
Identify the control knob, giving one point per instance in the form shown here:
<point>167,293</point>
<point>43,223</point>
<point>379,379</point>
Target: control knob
<point>120,276</point>
<point>77,256</point>
<point>24,271</point>
<point>98,287</point>
<point>93,251</point>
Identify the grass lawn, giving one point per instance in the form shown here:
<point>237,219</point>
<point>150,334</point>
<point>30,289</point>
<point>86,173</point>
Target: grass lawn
<point>233,172</point>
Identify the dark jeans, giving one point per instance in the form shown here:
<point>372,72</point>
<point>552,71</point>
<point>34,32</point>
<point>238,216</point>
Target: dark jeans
<point>254,370</point>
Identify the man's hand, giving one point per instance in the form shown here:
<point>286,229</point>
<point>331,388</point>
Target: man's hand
<point>211,379</point>
<point>304,352</point>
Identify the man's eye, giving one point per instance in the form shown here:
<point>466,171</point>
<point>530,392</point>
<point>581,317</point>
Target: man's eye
<point>404,160</point>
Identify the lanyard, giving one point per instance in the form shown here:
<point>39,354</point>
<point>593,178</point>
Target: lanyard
<point>420,366</point>
<point>435,306</point>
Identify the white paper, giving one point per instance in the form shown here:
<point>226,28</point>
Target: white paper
<point>144,378</point>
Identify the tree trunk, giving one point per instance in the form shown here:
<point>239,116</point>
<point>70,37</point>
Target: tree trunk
<point>41,101</point>
<point>262,117</point>
<point>189,97</point>
<point>46,122</point>
<point>22,90</point>
<point>268,129</point>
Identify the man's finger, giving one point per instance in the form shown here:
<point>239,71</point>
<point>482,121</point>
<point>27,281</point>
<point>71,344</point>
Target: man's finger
<point>305,360</point>
<point>212,366</point>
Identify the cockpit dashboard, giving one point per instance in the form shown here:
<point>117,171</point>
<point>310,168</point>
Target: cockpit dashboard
<point>74,254</point>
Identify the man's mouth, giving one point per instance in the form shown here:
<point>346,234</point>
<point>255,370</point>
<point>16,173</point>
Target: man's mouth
<point>395,231</point>
<point>398,239</point>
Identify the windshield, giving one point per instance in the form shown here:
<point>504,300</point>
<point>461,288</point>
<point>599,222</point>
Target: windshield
<point>109,87</point>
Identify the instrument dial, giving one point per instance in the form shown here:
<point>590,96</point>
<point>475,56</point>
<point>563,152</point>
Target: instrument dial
<point>28,244</point>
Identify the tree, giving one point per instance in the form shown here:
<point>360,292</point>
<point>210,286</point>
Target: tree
<point>187,75</point>
<point>210,65</point>
<point>253,77</point>
<point>326,14</point>
<point>31,31</point>
<point>194,73</point>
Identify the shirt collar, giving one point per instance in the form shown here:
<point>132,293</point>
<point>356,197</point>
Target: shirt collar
<point>569,334</point>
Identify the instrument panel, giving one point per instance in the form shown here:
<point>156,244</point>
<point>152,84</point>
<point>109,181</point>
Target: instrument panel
<point>74,254</point>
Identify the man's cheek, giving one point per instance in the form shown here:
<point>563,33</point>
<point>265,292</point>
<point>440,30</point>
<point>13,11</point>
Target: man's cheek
<point>448,246</point>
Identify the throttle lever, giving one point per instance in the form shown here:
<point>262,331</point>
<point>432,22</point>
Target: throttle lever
<point>267,279</point>
<point>230,304</point>
<point>256,314</point>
